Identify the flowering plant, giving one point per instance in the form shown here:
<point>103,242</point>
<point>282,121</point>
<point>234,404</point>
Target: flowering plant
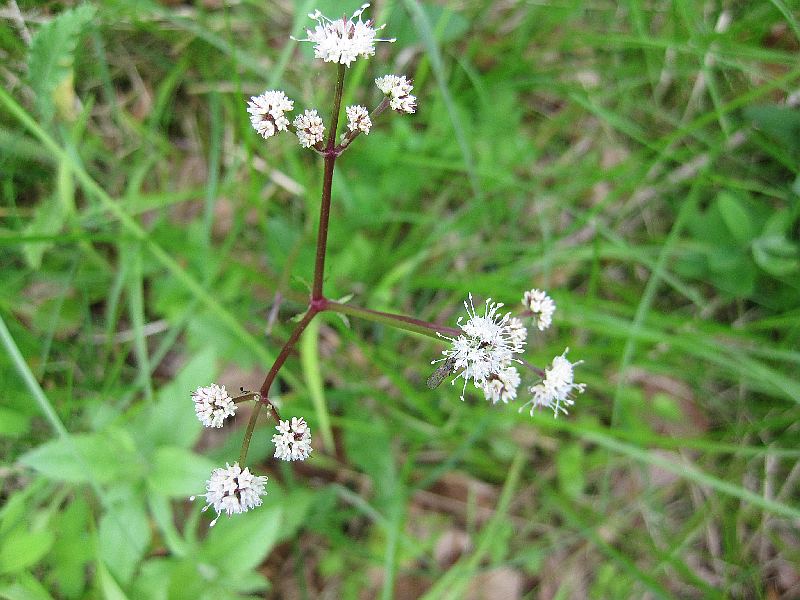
<point>485,349</point>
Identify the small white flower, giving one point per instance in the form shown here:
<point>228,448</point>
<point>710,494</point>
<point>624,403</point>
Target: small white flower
<point>394,85</point>
<point>293,440</point>
<point>212,405</point>
<point>557,389</point>
<point>399,89</point>
<point>267,112</point>
<point>502,386</point>
<point>310,128</point>
<point>486,347</point>
<point>518,331</point>
<point>541,306</point>
<point>358,119</point>
<point>343,40</point>
<point>233,490</point>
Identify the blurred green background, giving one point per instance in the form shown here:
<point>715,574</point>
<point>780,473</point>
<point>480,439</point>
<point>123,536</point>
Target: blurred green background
<point>637,159</point>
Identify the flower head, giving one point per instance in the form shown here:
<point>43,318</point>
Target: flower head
<point>398,88</point>
<point>310,128</point>
<point>343,40</point>
<point>501,386</point>
<point>541,307</point>
<point>358,119</point>
<point>557,389</point>
<point>518,332</point>
<point>293,440</point>
<point>266,112</point>
<point>233,490</point>
<point>212,405</point>
<point>486,348</point>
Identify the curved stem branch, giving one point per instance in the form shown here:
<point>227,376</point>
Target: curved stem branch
<point>393,320</point>
<point>284,353</point>
<point>248,434</point>
<point>270,378</point>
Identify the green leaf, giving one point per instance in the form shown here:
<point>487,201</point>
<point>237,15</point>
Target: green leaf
<point>110,587</point>
<point>296,505</point>
<point>73,549</point>
<point>738,278</point>
<point>152,581</point>
<point>99,457</point>
<point>667,407</point>
<point>569,463</point>
<point>48,219</point>
<point>123,537</point>
<point>14,510</point>
<point>776,255</point>
<point>25,587</point>
<point>779,122</point>
<point>447,25</point>
<point>241,543</point>
<point>51,57</point>
<point>22,548</point>
<point>171,420</point>
<point>13,423</point>
<point>309,358</point>
<point>369,447</point>
<point>738,221</point>
<point>177,472</point>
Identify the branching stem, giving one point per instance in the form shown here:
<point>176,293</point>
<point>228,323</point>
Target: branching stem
<point>394,320</point>
<point>318,302</point>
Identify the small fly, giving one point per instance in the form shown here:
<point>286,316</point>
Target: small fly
<point>442,371</point>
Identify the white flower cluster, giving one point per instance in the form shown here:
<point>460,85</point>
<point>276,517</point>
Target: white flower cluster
<point>485,352</point>
<point>555,391</point>
<point>233,490</point>
<point>267,112</point>
<point>213,405</point>
<point>343,40</point>
<point>358,119</point>
<point>398,88</point>
<point>293,440</point>
<point>267,115</point>
<point>310,128</point>
<point>541,307</point>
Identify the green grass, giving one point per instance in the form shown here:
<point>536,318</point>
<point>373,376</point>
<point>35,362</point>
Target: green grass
<point>638,160</point>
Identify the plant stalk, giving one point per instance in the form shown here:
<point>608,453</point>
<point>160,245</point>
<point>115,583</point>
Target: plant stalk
<point>317,299</point>
<point>399,321</point>
<point>327,184</point>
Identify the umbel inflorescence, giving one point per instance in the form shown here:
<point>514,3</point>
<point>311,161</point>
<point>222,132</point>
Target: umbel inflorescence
<point>484,350</point>
<point>485,354</point>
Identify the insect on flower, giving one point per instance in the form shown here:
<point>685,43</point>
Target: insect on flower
<point>442,371</point>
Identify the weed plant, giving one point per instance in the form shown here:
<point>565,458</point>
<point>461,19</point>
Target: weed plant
<point>640,161</point>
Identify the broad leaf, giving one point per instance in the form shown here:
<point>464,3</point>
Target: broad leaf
<point>123,538</point>
<point>98,457</point>
<point>178,472</point>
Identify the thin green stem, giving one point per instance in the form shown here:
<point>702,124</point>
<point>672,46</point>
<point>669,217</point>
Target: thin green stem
<point>393,320</point>
<point>284,353</point>
<point>248,434</point>
<point>244,397</point>
<point>337,105</point>
<point>327,184</point>
<point>270,378</point>
<point>30,380</point>
<point>322,233</point>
